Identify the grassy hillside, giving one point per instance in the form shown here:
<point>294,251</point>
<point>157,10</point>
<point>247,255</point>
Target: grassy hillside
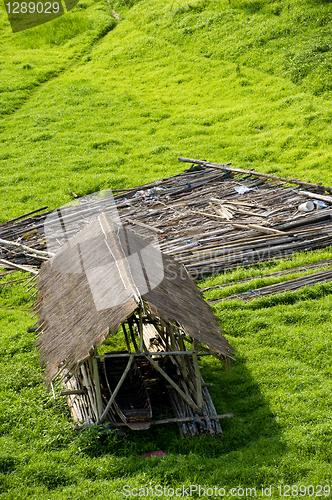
<point>88,102</point>
<point>86,106</point>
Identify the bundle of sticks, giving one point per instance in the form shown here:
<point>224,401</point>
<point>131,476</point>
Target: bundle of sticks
<point>210,217</point>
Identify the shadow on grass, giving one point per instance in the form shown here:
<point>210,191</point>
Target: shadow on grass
<point>248,451</point>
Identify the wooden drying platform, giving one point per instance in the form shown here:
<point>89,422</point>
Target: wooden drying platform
<point>202,221</point>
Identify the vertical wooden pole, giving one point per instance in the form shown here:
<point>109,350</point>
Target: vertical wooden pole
<point>183,361</point>
<point>116,390</point>
<point>140,328</point>
<point>197,375</point>
<point>96,380</point>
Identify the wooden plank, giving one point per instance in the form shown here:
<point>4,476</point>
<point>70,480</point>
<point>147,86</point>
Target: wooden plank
<point>16,266</point>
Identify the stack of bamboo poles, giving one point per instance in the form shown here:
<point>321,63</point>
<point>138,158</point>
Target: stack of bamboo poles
<point>199,218</point>
<point>285,286</point>
<point>307,267</point>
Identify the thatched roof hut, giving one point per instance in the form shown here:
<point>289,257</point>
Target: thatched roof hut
<point>104,275</point>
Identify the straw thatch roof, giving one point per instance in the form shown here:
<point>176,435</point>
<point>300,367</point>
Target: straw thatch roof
<point>96,281</point>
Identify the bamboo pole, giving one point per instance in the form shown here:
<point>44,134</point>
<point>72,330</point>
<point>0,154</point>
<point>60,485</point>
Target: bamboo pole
<point>132,334</point>
<point>262,229</point>
<point>169,420</point>
<point>183,360</point>
<point>89,388</point>
<point>16,266</point>
<point>320,197</point>
<point>95,372</point>
<point>26,248</point>
<point>226,167</point>
<point>24,215</point>
<point>116,390</point>
<point>197,376</point>
<point>126,338</point>
<point>140,329</point>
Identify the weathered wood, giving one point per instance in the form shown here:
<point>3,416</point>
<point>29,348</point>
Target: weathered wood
<point>72,392</point>
<point>30,250</point>
<point>138,223</point>
<point>116,390</point>
<point>17,266</point>
<point>320,197</point>
<point>226,167</point>
<point>197,375</point>
<point>188,400</point>
<point>96,380</point>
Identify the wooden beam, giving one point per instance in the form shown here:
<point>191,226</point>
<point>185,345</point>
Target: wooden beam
<point>197,375</point>
<point>187,399</point>
<point>165,421</point>
<point>151,353</point>
<point>96,380</point>
<point>26,248</point>
<point>116,390</point>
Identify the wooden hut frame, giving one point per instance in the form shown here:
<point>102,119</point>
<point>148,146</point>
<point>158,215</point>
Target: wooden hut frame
<point>154,340</point>
<point>169,324</point>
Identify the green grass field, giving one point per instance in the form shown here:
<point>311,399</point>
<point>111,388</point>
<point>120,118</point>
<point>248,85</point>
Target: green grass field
<point>87,103</point>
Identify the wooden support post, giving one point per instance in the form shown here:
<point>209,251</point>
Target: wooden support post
<point>116,390</point>
<point>183,361</point>
<point>197,375</point>
<point>132,333</point>
<point>188,399</point>
<point>96,380</point>
<point>126,337</point>
<point>90,390</point>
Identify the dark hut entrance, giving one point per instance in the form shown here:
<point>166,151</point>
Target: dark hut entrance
<point>166,329</point>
